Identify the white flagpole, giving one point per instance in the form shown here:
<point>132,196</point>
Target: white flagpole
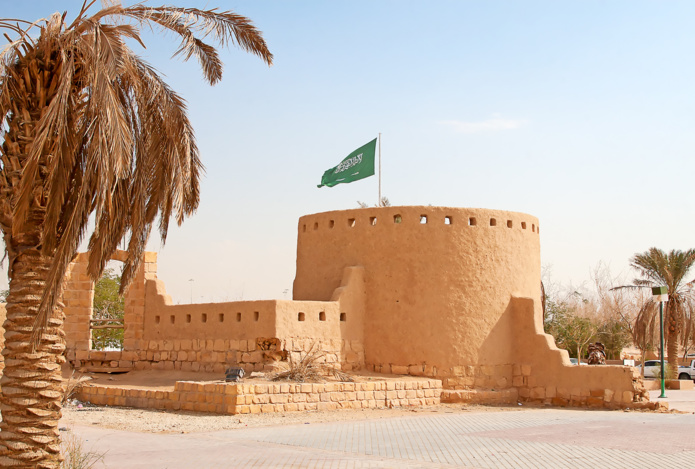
<point>379,201</point>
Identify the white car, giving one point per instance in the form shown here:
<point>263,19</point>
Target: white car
<point>652,368</point>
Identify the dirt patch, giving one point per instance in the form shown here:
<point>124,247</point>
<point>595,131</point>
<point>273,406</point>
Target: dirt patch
<point>154,421</point>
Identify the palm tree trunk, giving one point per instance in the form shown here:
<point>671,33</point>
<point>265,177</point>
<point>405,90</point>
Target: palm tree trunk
<point>30,400</point>
<point>672,322</point>
<point>31,384</point>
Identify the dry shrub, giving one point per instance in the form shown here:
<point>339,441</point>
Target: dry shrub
<point>309,368</point>
<point>72,386</point>
<point>75,455</point>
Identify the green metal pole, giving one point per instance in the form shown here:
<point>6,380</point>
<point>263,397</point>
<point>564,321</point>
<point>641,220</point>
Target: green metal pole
<point>661,351</point>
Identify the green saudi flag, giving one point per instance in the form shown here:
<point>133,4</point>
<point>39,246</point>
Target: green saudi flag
<point>357,165</point>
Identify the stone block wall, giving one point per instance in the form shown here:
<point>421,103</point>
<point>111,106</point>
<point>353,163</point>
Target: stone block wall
<point>255,335</point>
<point>78,297</point>
<point>217,355</point>
<point>252,398</point>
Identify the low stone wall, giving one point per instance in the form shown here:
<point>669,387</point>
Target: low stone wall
<point>654,384</point>
<point>480,396</point>
<point>261,354</point>
<point>253,398</point>
<point>528,389</point>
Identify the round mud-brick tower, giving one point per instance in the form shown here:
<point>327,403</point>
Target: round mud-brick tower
<point>439,281</point>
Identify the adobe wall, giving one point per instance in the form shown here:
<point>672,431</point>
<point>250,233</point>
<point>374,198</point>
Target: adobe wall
<point>545,375</point>
<point>437,292</point>
<point>212,336</point>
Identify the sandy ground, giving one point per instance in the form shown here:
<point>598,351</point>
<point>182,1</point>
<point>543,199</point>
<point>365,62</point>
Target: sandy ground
<point>154,421</point>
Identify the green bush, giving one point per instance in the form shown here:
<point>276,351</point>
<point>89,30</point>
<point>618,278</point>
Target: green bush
<point>108,305</point>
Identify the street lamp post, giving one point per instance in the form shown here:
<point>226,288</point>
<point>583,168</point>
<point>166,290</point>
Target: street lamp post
<point>661,294</point>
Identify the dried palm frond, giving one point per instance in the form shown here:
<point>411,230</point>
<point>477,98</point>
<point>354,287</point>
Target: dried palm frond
<point>93,130</point>
<point>306,369</point>
<point>310,368</point>
<point>340,375</point>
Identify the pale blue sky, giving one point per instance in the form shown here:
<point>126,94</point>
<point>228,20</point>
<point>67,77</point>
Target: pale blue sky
<point>579,113</point>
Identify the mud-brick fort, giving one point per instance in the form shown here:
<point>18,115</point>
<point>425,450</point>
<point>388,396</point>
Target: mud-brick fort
<point>448,295</point>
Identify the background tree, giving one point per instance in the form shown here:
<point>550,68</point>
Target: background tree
<point>632,308</point>
<point>614,336</point>
<point>90,129</point>
<point>108,309</point>
<point>687,337</point>
<point>572,322</point>
<point>618,310</point>
<point>579,316</point>
<point>645,329</point>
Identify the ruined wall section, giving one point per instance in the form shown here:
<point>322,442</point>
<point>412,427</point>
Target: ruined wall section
<point>78,297</point>
<point>544,373</point>
<point>213,336</point>
<point>254,334</point>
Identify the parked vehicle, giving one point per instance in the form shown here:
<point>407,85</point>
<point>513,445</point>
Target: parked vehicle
<point>652,368</point>
<point>687,372</point>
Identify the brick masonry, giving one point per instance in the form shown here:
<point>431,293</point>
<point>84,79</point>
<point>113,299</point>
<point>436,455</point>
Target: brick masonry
<point>263,397</point>
<point>217,355</point>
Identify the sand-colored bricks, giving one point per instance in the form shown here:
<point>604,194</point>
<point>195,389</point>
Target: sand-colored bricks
<point>244,398</point>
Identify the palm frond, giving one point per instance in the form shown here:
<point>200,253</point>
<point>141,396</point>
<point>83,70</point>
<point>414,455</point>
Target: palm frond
<point>95,130</point>
<point>224,26</point>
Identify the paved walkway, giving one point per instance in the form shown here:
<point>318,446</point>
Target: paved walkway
<point>531,438</point>
<point>677,399</point>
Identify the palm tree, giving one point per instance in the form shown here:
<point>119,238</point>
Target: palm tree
<point>90,129</point>
<point>658,268</point>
